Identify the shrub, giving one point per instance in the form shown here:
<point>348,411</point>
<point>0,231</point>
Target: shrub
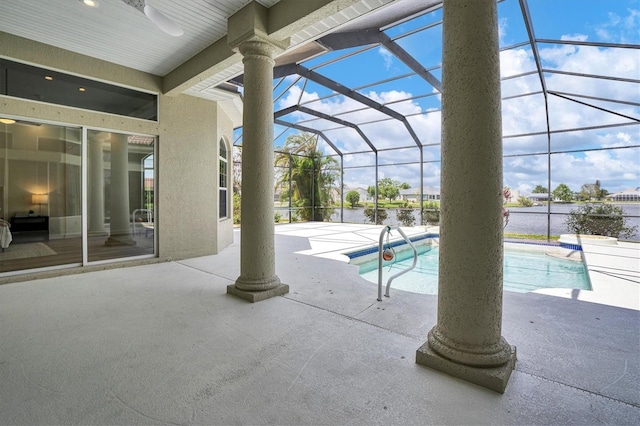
<point>430,213</point>
<point>405,216</point>
<point>323,214</point>
<point>370,214</point>
<point>352,198</point>
<point>237,207</point>
<point>524,201</point>
<point>599,219</point>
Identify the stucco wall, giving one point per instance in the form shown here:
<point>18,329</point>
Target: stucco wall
<point>187,194</point>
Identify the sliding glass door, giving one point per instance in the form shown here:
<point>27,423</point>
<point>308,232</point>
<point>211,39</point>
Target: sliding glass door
<point>120,208</point>
<point>40,195</point>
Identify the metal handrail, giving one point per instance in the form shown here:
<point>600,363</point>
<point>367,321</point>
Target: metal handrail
<point>391,278</point>
<point>149,213</point>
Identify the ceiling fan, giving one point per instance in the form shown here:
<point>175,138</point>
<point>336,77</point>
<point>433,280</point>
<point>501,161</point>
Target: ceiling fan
<point>161,20</point>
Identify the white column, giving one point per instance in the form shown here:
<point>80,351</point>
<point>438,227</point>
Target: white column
<point>96,185</point>
<point>466,341</point>
<point>120,226</point>
<point>258,279</point>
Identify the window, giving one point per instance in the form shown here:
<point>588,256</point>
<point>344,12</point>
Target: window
<point>224,181</point>
<point>29,82</point>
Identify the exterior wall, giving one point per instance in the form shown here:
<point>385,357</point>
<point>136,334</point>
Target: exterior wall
<point>188,131</point>
<point>188,177</point>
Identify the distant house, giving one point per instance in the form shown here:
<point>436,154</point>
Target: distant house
<point>148,184</point>
<point>626,195</point>
<point>429,193</point>
<point>515,194</point>
<point>364,195</point>
<point>536,198</point>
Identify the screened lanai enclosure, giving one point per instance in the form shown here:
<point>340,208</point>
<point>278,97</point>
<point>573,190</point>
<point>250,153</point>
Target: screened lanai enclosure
<point>363,105</point>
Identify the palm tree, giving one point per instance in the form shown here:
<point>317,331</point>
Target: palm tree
<point>307,175</point>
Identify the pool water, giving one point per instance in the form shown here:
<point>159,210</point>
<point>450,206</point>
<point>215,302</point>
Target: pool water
<point>524,271</point>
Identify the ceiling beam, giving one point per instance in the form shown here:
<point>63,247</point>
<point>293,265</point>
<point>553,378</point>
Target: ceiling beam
<point>213,60</point>
<point>349,39</point>
<point>287,18</point>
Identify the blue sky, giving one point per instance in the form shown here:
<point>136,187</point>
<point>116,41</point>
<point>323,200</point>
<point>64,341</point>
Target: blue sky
<point>524,120</point>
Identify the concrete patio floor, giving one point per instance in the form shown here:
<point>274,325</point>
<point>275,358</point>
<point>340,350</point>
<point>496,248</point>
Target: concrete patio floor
<point>164,344</point>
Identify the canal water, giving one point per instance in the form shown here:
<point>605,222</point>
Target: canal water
<point>522,220</point>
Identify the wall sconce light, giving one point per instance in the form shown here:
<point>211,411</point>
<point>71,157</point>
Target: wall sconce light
<point>40,199</point>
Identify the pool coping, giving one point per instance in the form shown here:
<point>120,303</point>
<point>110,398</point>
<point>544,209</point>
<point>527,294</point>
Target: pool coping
<point>613,270</point>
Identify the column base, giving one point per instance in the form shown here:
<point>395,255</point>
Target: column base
<point>494,378</point>
<point>97,233</point>
<point>120,240</point>
<point>257,296</point>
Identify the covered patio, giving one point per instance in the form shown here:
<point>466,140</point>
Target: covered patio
<point>164,344</point>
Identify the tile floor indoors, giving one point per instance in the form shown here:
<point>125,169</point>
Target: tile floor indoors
<point>164,344</point>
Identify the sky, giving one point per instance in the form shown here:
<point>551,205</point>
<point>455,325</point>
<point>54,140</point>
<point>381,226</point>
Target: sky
<point>524,121</point>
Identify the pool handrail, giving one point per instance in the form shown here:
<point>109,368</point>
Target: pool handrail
<point>391,278</point>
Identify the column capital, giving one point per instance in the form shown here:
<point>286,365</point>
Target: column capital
<point>260,45</point>
<point>249,28</point>
<point>98,136</point>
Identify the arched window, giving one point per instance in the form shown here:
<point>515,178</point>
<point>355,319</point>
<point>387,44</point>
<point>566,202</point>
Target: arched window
<point>224,181</point>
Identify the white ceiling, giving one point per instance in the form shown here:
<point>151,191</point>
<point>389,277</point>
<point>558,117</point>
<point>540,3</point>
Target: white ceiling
<point>118,33</point>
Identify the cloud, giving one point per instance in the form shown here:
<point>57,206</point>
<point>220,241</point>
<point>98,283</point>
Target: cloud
<point>387,57</point>
<point>503,25</point>
<point>620,29</point>
<point>516,61</point>
<point>575,37</point>
<point>617,169</point>
<point>294,95</point>
<point>613,62</point>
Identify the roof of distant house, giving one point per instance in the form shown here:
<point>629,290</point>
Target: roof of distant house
<point>538,195</point>
<point>630,191</point>
<point>416,191</point>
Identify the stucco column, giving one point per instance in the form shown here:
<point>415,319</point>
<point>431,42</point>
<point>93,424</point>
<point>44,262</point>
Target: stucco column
<point>466,341</point>
<point>120,227</point>
<point>258,279</point>
<point>96,185</point>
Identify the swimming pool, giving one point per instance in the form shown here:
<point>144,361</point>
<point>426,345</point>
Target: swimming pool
<point>527,267</point>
